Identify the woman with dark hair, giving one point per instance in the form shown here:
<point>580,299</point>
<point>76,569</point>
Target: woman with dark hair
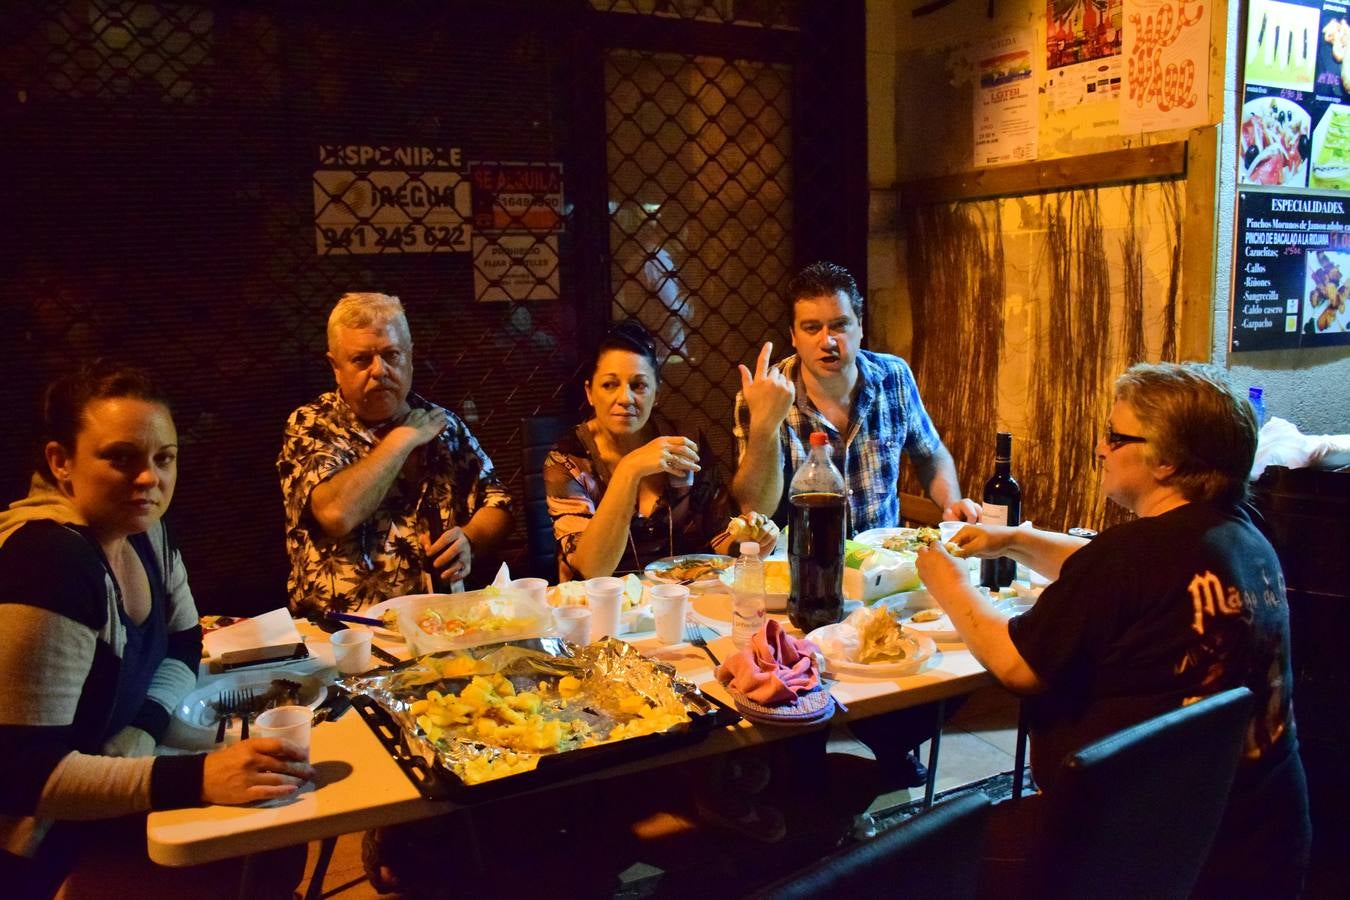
<point>618,485</point>
<point>99,638</point>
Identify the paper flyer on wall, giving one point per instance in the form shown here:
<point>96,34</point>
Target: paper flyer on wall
<point>1007,109</point>
<point>1166,52</point>
<point>1082,52</point>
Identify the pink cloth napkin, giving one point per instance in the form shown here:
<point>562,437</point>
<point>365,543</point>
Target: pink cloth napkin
<point>773,669</point>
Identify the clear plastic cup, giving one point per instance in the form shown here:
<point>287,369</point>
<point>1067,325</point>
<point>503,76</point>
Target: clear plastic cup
<point>573,623</point>
<point>670,606</point>
<point>351,650</point>
<point>290,723</point>
<point>604,595</point>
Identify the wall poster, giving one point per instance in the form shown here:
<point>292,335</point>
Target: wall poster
<point>517,216</point>
<point>1007,111</point>
<point>1293,221</point>
<point>1082,51</point>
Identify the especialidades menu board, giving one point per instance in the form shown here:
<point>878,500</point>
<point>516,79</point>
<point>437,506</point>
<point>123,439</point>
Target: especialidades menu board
<point>1294,178</point>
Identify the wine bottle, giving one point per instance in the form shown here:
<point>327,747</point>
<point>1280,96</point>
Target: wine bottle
<point>1002,506</point>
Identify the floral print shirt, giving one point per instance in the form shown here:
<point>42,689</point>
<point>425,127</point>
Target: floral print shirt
<point>382,557</point>
<point>684,520</point>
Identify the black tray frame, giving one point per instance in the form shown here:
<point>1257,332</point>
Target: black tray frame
<point>435,782</point>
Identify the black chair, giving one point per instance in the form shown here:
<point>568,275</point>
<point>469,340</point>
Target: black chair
<point>538,435</point>
<point>1134,814</point>
<point>935,854</point>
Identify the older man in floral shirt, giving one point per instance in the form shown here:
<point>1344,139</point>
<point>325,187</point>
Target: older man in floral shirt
<point>385,491</point>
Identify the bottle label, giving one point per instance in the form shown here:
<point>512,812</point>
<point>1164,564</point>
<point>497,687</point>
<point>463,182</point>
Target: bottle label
<point>993,514</point>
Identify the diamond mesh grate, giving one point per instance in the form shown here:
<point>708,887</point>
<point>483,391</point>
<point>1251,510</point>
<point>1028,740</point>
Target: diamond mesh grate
<point>699,158</point>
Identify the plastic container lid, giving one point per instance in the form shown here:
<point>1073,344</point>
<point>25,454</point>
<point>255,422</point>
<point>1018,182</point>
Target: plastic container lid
<point>749,548</point>
<point>819,439</point>
<point>473,618</point>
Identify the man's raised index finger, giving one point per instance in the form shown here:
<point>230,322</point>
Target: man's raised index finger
<point>765,353</point>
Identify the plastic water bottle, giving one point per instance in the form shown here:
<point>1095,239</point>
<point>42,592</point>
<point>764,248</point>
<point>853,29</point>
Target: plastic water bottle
<point>747,595</point>
<point>1257,398</point>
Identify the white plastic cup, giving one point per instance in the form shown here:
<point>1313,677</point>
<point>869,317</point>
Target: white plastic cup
<point>574,624</point>
<point>535,588</point>
<point>604,595</point>
<point>949,530</point>
<point>670,605</point>
<point>290,723</point>
<point>351,650</point>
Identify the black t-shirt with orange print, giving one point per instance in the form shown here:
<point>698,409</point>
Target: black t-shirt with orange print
<point>1150,614</point>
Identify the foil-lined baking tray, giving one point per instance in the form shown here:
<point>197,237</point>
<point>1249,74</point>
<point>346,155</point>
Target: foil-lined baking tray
<point>608,684</point>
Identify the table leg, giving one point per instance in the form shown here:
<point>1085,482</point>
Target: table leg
<point>320,868</point>
<point>1020,751</point>
<point>930,786</point>
<point>247,875</point>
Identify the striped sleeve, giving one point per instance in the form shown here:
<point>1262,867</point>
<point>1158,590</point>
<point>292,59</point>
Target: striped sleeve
<point>177,674</point>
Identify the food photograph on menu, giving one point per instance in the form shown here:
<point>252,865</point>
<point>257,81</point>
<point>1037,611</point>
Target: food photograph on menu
<point>1328,290</point>
<point>1282,44</point>
<point>1275,141</point>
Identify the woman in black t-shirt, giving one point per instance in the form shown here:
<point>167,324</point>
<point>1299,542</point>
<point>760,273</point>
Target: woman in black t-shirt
<point>1186,600</point>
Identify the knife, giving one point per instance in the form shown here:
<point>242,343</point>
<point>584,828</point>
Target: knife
<point>332,626</point>
<point>359,620</point>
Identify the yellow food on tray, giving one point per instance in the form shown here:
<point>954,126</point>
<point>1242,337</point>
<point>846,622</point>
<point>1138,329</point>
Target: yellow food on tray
<point>490,712</point>
<point>912,539</point>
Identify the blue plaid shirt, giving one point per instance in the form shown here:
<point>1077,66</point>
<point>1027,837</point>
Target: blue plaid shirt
<point>887,419</point>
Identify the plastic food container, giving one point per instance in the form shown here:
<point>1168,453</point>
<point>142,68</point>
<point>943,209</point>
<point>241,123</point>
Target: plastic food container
<point>465,620</point>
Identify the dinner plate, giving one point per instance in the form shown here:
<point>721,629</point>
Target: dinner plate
<point>940,629</point>
<point>923,647</point>
<point>197,709</point>
<point>675,569</point>
<point>874,537</point>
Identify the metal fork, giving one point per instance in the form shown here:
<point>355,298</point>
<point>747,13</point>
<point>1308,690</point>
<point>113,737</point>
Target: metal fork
<point>244,707</point>
<point>224,708</point>
<point>693,633</point>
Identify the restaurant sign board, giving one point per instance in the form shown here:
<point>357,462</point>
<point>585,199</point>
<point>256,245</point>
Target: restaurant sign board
<point>1291,288</point>
<point>1293,270</point>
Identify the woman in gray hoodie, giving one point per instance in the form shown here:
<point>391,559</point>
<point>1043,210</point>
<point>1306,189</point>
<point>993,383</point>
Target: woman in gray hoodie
<point>99,637</point>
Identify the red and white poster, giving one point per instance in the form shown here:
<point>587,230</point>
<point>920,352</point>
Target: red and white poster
<point>1166,65</point>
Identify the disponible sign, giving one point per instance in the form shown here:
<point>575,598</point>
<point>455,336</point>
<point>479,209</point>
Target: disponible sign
<point>1293,271</point>
<point>390,200</point>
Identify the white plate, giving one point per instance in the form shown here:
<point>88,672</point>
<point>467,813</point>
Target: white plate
<point>658,570</point>
<point>393,604</point>
<point>924,648</point>
<point>196,709</point>
<point>1281,120</point>
<point>714,610</point>
<point>873,537</point>
<point>940,629</point>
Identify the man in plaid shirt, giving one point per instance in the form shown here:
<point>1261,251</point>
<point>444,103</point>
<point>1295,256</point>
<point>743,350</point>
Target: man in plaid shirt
<point>866,402</point>
<point>869,405</point>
